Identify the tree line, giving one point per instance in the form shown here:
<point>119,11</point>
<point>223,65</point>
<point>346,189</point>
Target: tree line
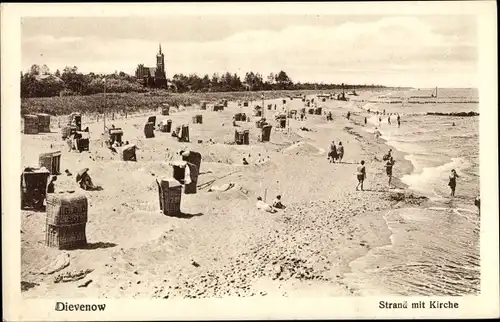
<point>39,81</point>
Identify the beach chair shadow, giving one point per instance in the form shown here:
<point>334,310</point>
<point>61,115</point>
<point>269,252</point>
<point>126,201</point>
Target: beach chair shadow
<point>185,215</point>
<point>99,245</point>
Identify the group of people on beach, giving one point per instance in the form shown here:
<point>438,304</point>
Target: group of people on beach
<point>335,153</point>
<point>361,170</point>
<point>388,158</point>
<point>389,164</point>
<point>277,204</point>
<point>398,118</point>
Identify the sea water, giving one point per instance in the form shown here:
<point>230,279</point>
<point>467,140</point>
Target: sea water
<point>433,250</point>
<point>433,144</point>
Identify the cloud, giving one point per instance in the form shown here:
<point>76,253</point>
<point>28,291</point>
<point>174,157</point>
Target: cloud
<point>391,49</point>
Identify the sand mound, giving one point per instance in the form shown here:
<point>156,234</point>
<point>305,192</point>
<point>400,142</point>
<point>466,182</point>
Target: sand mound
<point>302,148</point>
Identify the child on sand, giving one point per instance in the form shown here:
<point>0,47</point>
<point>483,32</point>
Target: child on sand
<point>453,181</point>
<point>361,174</point>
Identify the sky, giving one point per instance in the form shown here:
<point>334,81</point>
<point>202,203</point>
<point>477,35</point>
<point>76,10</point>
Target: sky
<point>416,51</point>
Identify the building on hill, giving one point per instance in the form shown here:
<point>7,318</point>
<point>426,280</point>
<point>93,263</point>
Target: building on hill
<point>153,76</point>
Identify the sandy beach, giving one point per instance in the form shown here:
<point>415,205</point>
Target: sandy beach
<point>331,240</point>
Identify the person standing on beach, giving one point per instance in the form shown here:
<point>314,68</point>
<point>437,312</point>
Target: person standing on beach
<point>389,119</point>
<point>365,120</point>
<point>348,115</point>
<point>332,153</point>
<point>387,156</point>
<point>361,174</point>
<point>453,182</point>
<point>379,121</point>
<point>399,121</point>
<point>388,169</point>
<point>340,152</point>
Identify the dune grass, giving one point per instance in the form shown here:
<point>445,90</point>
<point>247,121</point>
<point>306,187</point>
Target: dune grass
<point>134,102</point>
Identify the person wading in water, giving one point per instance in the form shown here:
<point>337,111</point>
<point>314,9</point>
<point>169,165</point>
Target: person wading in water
<point>388,169</point>
<point>453,182</point>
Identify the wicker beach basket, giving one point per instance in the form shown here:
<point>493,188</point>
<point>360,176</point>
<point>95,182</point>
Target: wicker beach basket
<point>43,123</point>
<point>51,161</point>
<point>149,130</point>
<point>266,133</point>
<point>66,218</point>
<point>31,124</point>
<point>66,208</point>
<point>198,119</point>
<point>170,196</point>
<point>66,237</point>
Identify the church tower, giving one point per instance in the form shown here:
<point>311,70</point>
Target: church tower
<point>160,64</point>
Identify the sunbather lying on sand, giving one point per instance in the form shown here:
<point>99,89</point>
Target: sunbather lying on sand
<point>221,188</point>
<point>261,205</point>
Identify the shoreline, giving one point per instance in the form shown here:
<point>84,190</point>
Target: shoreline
<point>363,267</point>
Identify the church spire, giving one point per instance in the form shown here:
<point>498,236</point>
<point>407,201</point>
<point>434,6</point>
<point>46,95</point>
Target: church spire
<point>160,48</point>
